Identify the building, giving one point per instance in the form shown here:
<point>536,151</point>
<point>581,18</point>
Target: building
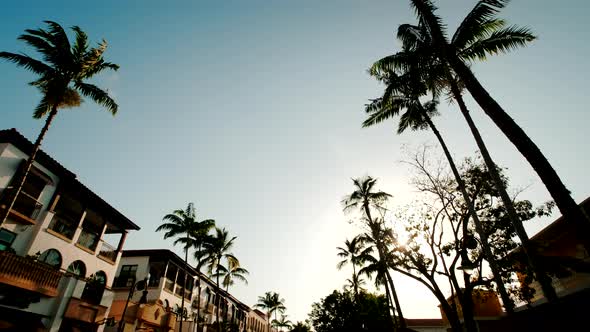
<point>426,324</point>
<point>59,248</point>
<point>562,252</point>
<point>167,276</point>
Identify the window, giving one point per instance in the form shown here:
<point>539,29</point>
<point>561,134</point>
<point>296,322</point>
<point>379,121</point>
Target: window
<point>27,202</point>
<point>156,273</point>
<point>179,282</point>
<point>127,276</point>
<point>77,268</point>
<point>6,239</point>
<point>68,213</point>
<point>170,277</point>
<point>94,288</point>
<point>92,227</point>
<point>51,257</point>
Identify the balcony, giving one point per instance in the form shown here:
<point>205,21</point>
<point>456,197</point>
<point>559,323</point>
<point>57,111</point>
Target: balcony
<point>25,273</point>
<point>81,310</point>
<point>26,208</point>
<point>209,308</point>
<point>108,252</point>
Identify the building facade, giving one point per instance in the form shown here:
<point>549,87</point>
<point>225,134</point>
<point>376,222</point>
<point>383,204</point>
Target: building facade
<point>168,278</point>
<point>59,248</point>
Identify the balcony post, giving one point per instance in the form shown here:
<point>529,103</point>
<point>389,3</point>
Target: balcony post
<point>121,242</point>
<point>79,228</point>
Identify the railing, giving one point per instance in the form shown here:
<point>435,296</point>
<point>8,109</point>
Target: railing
<point>63,225</point>
<point>27,205</point>
<point>25,273</point>
<point>108,251</point>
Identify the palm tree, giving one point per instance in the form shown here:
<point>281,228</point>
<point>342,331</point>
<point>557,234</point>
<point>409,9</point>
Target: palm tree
<point>404,92</point>
<point>300,327</point>
<point>182,224</point>
<point>271,302</point>
<point>352,254</point>
<point>233,272</point>
<point>215,249</point>
<point>63,73</point>
<point>449,54</point>
<point>283,322</point>
<point>363,198</point>
<point>356,282</point>
<point>480,34</point>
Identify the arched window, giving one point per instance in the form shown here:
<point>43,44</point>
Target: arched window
<point>77,268</point>
<point>95,288</point>
<point>51,257</point>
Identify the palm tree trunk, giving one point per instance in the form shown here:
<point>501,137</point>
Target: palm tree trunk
<point>508,304</point>
<point>402,321</point>
<point>382,258</point>
<point>530,253</point>
<point>183,289</point>
<point>561,195</point>
<point>4,212</point>
<point>198,300</point>
<point>355,281</point>
<point>218,300</point>
<point>392,318</point>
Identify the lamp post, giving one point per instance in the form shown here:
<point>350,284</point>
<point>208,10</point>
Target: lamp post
<point>140,285</point>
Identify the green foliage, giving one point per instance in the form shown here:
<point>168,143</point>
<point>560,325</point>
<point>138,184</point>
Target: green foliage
<point>63,68</point>
<point>300,327</point>
<point>338,312</point>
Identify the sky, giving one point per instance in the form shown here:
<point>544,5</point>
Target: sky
<point>252,110</point>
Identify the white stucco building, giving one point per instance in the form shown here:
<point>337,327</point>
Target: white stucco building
<point>56,263</point>
<point>165,272</point>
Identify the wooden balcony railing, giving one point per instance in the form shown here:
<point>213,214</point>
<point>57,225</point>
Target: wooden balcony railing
<point>25,273</point>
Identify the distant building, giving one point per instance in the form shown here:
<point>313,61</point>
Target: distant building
<point>56,263</point>
<point>166,272</point>
<point>426,324</point>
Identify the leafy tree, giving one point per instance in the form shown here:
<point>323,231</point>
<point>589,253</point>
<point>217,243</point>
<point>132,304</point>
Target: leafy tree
<point>300,327</point>
<point>337,313</point>
<point>233,272</point>
<point>271,302</point>
<point>440,234</point>
<point>63,73</point>
<point>448,53</point>
<point>364,198</point>
<point>214,249</point>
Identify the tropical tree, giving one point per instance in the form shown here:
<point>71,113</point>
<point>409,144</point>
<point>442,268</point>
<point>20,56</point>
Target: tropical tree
<point>182,224</point>
<point>363,199</point>
<point>477,22</point>
<point>300,327</point>
<point>403,92</point>
<point>214,249</point>
<point>352,253</point>
<point>62,80</point>
<point>271,302</point>
<point>233,272</point>
<point>479,35</point>
<point>282,323</point>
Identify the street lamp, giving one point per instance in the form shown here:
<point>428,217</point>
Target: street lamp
<point>140,285</point>
<point>469,242</point>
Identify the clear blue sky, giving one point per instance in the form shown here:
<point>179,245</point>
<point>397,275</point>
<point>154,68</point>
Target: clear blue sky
<point>252,110</point>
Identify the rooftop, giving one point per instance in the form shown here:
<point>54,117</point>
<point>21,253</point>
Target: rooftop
<point>68,179</point>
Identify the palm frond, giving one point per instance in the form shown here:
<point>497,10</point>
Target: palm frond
<point>426,9</point>
<point>483,11</point>
<point>42,108</point>
<point>98,95</point>
<point>500,41</point>
<point>28,63</point>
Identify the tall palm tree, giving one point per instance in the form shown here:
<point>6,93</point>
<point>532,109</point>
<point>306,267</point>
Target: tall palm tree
<point>215,249</point>
<point>365,198</point>
<point>352,253</point>
<point>404,92</point>
<point>63,72</point>
<point>182,224</point>
<point>447,53</point>
<point>271,302</point>
<point>479,35</point>
<point>283,322</point>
